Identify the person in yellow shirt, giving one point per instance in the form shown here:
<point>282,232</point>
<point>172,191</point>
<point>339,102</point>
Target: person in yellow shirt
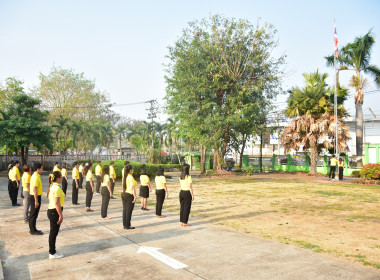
<point>81,174</point>
<point>56,167</point>
<point>55,212</point>
<point>112,177</point>
<point>10,172</point>
<point>106,192</point>
<point>186,195</point>
<point>333,163</point>
<point>161,190</point>
<point>128,196</point>
<point>64,177</point>
<point>35,198</point>
<point>144,188</point>
<point>341,168</point>
<point>89,186</point>
<point>98,174</point>
<point>15,178</point>
<point>26,190</point>
<point>75,185</point>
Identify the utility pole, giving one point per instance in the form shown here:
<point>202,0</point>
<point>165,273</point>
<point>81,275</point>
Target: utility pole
<point>152,115</point>
<point>278,132</point>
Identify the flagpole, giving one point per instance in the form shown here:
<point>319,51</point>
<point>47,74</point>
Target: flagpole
<point>335,102</point>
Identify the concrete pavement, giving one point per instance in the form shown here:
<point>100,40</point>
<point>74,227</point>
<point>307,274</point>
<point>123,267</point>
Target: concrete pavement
<point>95,249</point>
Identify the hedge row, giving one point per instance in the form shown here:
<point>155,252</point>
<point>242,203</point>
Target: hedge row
<point>151,169</point>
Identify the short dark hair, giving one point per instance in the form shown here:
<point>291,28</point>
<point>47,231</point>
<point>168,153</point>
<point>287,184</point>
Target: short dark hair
<point>160,171</point>
<point>75,163</point>
<point>143,171</point>
<point>56,163</point>
<point>16,162</point>
<point>112,162</point>
<point>37,165</point>
<point>26,168</point>
<point>99,161</point>
<point>64,165</point>
<point>126,162</point>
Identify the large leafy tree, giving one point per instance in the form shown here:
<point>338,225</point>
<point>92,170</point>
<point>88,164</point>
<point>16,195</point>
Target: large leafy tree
<point>221,70</point>
<point>9,89</point>
<point>23,124</point>
<point>356,56</point>
<point>313,126</point>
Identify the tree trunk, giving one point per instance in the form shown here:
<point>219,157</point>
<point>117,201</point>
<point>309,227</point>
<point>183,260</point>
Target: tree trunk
<point>22,156</point>
<point>359,129</point>
<point>261,153</point>
<point>203,159</point>
<point>216,159</point>
<point>225,141</point>
<point>313,161</point>
<point>242,150</point>
<point>26,154</point>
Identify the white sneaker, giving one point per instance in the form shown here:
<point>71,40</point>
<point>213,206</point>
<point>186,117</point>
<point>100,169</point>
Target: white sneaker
<point>55,256</point>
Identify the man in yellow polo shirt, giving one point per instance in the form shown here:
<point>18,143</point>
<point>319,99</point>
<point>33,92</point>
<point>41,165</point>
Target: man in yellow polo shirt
<point>14,176</point>
<point>98,175</point>
<point>112,177</point>
<point>333,162</point>
<point>56,167</point>
<point>35,198</point>
<point>75,185</point>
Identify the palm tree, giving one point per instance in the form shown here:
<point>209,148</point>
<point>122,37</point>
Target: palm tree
<point>314,121</point>
<point>356,56</point>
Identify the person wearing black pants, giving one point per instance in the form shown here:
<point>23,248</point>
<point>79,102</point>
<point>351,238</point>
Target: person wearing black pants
<point>333,162</point>
<point>89,186</point>
<point>64,178</point>
<point>128,196</point>
<point>35,199</point>
<point>161,191</point>
<point>55,212</point>
<point>15,183</point>
<point>186,195</point>
<point>341,168</point>
<point>81,175</point>
<point>75,184</point>
<point>106,192</point>
<point>10,166</point>
<point>98,174</point>
<point>112,177</point>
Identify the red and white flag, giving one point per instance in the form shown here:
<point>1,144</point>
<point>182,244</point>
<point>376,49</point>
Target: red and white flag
<point>335,43</point>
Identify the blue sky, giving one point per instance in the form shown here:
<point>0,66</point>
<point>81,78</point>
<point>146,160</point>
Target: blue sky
<point>122,44</point>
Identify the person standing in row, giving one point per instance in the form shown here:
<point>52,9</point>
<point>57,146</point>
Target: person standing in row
<point>128,196</point>
<point>161,190</point>
<point>64,177</point>
<point>341,168</point>
<point>15,178</point>
<point>75,185</point>
<point>122,171</point>
<point>81,175</point>
<point>89,186</point>
<point>55,212</point>
<point>333,163</point>
<point>112,177</point>
<point>186,195</point>
<point>26,190</point>
<point>106,192</point>
<point>10,172</point>
<point>35,198</point>
<point>56,167</point>
<point>98,174</point>
<point>145,188</point>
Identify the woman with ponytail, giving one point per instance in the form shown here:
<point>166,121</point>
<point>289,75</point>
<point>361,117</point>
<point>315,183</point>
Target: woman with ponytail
<point>89,186</point>
<point>186,195</point>
<point>128,196</point>
<point>55,211</point>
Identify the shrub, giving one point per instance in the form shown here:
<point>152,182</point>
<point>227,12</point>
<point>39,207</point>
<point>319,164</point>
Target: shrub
<point>371,171</point>
<point>249,170</point>
<point>356,174</point>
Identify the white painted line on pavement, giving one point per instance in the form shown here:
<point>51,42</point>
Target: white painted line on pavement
<point>161,257</point>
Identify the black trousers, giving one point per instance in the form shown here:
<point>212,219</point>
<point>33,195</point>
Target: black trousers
<point>10,189</point>
<point>64,185</point>
<point>74,195</point>
<point>89,194</point>
<point>54,229</point>
<point>14,192</point>
<point>332,172</point>
<point>105,201</point>
<point>128,206</point>
<point>81,180</point>
<point>98,182</point>
<point>341,169</point>
<point>112,185</point>
<point>33,212</point>
<point>160,197</point>
<point>185,200</point>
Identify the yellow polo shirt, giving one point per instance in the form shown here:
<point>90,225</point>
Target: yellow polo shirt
<point>131,183</point>
<point>144,180</point>
<point>35,181</point>
<point>112,171</point>
<point>98,170</point>
<point>185,183</point>
<point>106,180</point>
<point>10,174</point>
<point>341,164</point>
<point>160,181</point>
<point>55,191</point>
<point>25,180</point>
<point>64,172</point>
<point>17,172</point>
<point>80,168</point>
<point>89,176</point>
<point>75,173</point>
<point>56,168</point>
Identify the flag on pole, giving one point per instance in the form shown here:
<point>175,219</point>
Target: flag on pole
<point>335,42</point>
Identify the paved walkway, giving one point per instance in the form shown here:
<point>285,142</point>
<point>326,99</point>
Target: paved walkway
<point>95,249</point>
